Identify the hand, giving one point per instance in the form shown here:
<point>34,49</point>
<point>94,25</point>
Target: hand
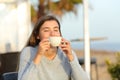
<point>44,45</point>
<point>66,47</point>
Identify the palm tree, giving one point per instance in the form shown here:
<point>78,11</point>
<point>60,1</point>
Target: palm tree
<point>58,7</point>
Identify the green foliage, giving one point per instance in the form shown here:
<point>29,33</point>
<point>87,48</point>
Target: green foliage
<point>33,12</point>
<point>76,1</point>
<point>114,67</point>
<point>58,8</point>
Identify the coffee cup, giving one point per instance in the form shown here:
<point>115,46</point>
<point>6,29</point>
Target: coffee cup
<point>55,41</point>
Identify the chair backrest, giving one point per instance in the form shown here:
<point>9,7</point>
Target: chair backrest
<point>9,62</point>
<point>10,76</point>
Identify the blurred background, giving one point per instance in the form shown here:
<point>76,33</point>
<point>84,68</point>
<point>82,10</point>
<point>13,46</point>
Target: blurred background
<point>15,24</point>
<point>18,17</point>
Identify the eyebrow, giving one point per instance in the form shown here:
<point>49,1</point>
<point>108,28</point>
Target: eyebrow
<point>56,27</point>
<point>48,28</point>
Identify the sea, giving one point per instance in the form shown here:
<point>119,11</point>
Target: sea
<point>108,46</point>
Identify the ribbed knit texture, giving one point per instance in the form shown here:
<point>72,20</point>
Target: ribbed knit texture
<point>57,69</point>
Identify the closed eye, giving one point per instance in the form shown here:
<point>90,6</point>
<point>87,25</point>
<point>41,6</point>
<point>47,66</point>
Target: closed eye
<point>46,30</point>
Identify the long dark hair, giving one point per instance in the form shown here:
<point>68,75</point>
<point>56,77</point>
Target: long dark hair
<point>33,41</point>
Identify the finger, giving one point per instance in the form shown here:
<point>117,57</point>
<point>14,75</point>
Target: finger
<point>46,43</point>
<point>63,45</point>
<point>45,40</point>
<point>64,41</point>
<point>46,47</point>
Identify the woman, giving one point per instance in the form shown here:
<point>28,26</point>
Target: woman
<point>41,61</point>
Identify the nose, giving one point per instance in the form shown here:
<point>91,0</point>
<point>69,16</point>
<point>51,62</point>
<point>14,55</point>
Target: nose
<point>52,33</point>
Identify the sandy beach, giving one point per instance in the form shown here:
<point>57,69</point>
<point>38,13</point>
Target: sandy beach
<point>101,56</point>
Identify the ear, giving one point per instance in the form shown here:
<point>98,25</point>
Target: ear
<point>38,37</point>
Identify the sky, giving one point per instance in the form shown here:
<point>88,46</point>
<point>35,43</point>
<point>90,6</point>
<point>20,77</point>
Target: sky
<point>104,21</point>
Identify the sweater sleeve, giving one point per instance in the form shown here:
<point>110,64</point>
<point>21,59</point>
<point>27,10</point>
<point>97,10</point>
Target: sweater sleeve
<point>77,71</point>
<point>27,69</point>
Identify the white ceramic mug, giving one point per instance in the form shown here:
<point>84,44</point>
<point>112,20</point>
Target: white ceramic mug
<point>55,41</point>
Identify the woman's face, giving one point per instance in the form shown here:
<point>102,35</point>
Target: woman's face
<point>49,28</point>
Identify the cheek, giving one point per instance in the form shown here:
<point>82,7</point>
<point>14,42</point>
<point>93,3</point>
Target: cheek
<point>57,34</point>
<point>44,36</point>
